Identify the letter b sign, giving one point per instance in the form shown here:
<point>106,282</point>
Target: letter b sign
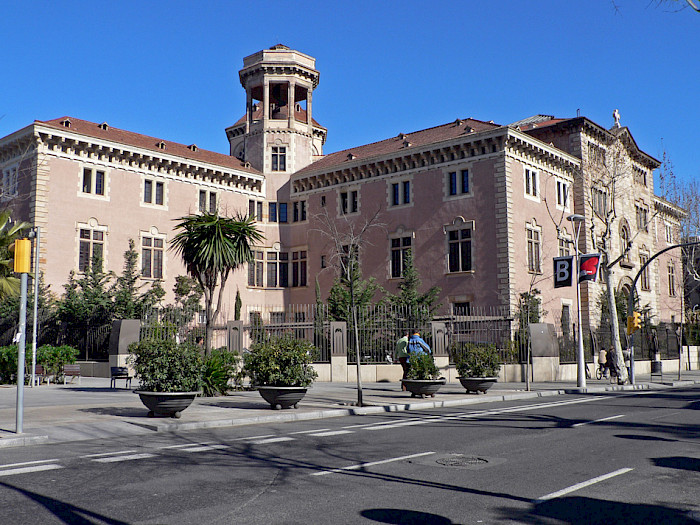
<point>563,271</point>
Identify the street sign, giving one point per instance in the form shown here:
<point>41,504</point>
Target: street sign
<point>563,271</point>
<point>588,267</point>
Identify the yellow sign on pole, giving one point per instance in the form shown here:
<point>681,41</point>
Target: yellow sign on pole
<point>23,251</point>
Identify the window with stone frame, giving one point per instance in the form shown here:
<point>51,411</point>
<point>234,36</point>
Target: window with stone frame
<point>642,216</point>
<point>565,243</point>
<point>299,268</point>
<point>279,158</point>
<point>9,182</point>
<point>563,188</point>
<point>532,182</point>
<point>534,248</point>
<point>671,279</point>
<point>152,256</point>
<point>153,192</point>
<point>93,182</point>
<point>90,245</point>
<point>625,243</point>
<point>400,250</point>
<point>349,202</point>
<point>645,284</point>
<point>599,201</point>
<point>256,270</point>
<point>669,233</point>
<point>459,249</point>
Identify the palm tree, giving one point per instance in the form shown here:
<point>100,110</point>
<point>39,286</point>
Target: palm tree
<point>211,246</point>
<point>9,232</point>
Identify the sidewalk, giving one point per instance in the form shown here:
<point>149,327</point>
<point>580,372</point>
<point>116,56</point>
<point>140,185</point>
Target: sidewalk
<point>91,410</point>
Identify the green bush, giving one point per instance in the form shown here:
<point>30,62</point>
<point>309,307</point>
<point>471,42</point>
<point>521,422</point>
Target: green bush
<point>473,360</point>
<point>280,361</point>
<point>221,372</point>
<point>164,366</point>
<point>52,358</point>
<point>422,367</point>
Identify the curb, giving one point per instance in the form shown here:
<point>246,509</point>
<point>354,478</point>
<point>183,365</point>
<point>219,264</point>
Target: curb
<point>23,441</point>
<point>376,409</point>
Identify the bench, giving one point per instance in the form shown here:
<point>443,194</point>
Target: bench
<point>71,371</point>
<point>40,375</point>
<point>119,372</point>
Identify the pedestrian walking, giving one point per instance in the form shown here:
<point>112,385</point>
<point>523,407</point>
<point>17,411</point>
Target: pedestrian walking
<point>416,345</point>
<point>401,355</point>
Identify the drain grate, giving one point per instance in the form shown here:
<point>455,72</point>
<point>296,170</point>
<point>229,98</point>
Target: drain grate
<point>458,460</point>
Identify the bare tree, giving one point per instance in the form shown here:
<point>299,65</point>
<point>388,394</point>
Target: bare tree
<point>348,238</point>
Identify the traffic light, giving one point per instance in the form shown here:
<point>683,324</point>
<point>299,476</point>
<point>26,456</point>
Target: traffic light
<point>634,323</point>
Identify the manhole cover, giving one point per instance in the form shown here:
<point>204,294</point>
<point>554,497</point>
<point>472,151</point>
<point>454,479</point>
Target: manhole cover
<point>461,461</point>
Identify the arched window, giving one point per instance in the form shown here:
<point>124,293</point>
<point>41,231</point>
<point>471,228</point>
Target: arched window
<point>625,242</point>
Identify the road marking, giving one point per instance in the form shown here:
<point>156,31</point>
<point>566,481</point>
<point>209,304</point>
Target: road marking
<point>109,454</point>
<point>27,463</point>
<point>370,464</point>
<point>597,420</point>
<point>271,440</point>
<point>204,448</point>
<point>309,431</point>
<point>332,433</point>
<point>254,437</point>
<point>185,445</point>
<point>583,484</point>
<point>25,470</point>
<point>131,457</point>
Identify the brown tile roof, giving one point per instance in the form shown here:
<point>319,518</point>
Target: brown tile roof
<point>458,128</point>
<point>128,138</point>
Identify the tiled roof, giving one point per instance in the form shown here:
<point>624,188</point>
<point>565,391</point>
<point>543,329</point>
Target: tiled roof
<point>458,128</point>
<point>128,138</point>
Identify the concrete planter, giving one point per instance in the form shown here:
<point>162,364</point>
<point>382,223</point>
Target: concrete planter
<point>477,384</point>
<point>282,396</point>
<point>166,404</point>
<point>423,387</point>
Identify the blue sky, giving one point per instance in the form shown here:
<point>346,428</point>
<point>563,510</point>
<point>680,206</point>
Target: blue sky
<point>170,69</point>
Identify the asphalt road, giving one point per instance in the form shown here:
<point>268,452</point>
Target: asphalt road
<point>607,458</point>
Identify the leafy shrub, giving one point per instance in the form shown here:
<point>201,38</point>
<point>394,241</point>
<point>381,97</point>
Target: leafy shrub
<point>164,366</point>
<point>477,360</point>
<point>52,358</point>
<point>221,369</point>
<point>8,363</point>
<point>422,367</point>
<point>280,361</point>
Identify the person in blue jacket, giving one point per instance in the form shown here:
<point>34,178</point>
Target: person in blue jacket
<point>416,345</point>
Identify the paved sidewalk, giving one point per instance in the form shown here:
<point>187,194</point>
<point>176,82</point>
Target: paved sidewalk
<point>90,410</point>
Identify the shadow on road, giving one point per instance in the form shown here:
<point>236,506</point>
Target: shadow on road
<point>404,517</point>
<point>65,512</point>
<point>678,462</point>
<point>599,512</point>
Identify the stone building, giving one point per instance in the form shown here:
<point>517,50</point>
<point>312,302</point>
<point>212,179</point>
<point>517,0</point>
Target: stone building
<point>482,206</point>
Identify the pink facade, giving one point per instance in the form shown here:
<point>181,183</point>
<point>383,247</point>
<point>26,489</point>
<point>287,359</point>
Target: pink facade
<point>483,207</point>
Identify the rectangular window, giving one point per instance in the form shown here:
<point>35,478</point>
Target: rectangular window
<point>343,202</point>
<point>202,201</point>
<point>531,182</point>
<point>9,182</point>
<point>279,158</point>
<point>299,268</point>
<point>533,250</point>
<point>671,279</point>
<point>406,191</point>
<point>645,285</point>
<point>87,180</point>
<point>212,202</point>
<point>465,181</point>
<point>353,201</point>
<point>271,269</point>
<point>400,249</point>
<point>669,233</point>
<point>459,250</point>
<point>452,181</point>
<point>600,201</point>
<point>562,194</point>
<point>295,216</point>
<point>283,211</point>
<point>259,210</point>
<point>91,245</point>
<point>395,195</point>
<point>255,270</point>
<point>152,257</point>
<point>272,212</point>
<point>251,209</point>
<point>99,182</point>
<point>642,217</point>
<point>159,193</point>
<point>284,269</point>
<point>302,206</point>
<point>153,193</point>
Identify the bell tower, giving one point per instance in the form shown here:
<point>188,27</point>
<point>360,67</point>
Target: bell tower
<point>278,135</point>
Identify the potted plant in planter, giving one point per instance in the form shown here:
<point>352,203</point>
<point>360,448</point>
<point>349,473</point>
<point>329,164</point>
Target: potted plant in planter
<point>423,377</point>
<point>478,366</point>
<point>280,369</point>
<point>170,375</point>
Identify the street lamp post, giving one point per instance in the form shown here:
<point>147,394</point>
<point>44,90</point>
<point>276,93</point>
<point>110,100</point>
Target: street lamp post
<point>576,220</point>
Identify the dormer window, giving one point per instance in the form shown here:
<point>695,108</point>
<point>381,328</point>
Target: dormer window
<point>192,147</point>
<point>104,126</point>
<point>161,145</point>
<point>65,123</point>
<point>351,156</point>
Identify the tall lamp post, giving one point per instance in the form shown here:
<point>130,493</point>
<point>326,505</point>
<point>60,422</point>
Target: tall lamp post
<point>576,221</point>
